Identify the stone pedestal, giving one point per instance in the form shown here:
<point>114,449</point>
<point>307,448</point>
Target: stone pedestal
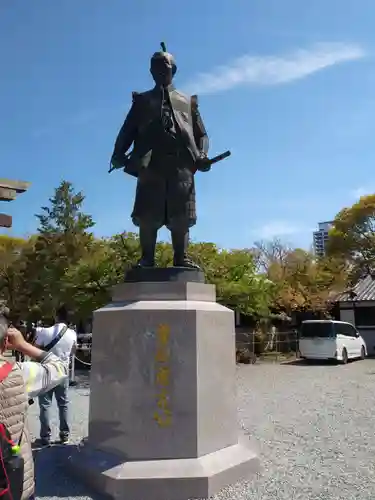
<point>163,413</point>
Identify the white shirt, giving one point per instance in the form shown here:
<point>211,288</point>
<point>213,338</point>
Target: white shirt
<point>64,346</point>
<point>44,376</point>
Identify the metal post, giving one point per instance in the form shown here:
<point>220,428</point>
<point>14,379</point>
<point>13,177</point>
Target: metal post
<point>277,345</point>
<point>72,374</point>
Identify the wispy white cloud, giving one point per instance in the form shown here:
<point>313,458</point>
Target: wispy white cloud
<point>276,229</point>
<point>358,192</point>
<point>274,70</point>
<point>362,191</point>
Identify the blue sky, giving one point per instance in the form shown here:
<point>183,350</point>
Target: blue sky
<point>287,85</point>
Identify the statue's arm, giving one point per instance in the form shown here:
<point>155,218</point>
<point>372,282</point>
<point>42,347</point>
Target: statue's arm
<point>199,130</point>
<point>126,136</point>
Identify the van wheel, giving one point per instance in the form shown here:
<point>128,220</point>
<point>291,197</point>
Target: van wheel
<point>363,352</point>
<point>344,356</point>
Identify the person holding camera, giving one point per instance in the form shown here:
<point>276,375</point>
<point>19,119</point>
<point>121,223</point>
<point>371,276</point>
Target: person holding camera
<point>19,382</point>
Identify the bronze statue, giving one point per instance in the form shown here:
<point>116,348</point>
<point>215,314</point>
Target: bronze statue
<point>170,144</point>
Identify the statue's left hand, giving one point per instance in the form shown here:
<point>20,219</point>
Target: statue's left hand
<point>118,162</point>
<point>203,163</point>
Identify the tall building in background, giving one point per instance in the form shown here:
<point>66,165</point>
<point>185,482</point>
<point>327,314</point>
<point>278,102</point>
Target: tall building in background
<point>320,237</point>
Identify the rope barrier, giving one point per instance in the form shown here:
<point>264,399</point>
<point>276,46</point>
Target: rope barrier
<point>72,369</point>
<point>80,361</point>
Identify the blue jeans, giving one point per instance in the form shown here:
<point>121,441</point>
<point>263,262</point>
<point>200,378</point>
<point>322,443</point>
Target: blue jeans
<point>45,401</point>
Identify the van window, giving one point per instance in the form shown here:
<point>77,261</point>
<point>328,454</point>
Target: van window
<point>321,330</point>
<point>345,329</point>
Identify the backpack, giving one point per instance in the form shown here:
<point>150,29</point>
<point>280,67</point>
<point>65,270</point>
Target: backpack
<point>11,463</point>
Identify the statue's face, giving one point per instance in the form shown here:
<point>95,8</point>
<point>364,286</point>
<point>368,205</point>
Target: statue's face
<point>162,68</point>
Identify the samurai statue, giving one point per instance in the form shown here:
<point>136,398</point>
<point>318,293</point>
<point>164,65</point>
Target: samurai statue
<point>170,144</point>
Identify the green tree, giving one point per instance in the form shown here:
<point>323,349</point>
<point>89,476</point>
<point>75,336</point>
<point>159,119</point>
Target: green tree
<point>127,249</point>
<point>11,265</point>
<point>352,238</point>
<point>301,280</point>
<point>64,215</point>
<point>64,262</point>
<point>63,238</point>
<point>90,280</point>
<point>233,272</point>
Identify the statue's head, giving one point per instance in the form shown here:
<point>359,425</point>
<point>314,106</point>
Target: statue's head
<point>163,67</point>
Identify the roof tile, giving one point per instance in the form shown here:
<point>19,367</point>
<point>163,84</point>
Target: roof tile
<point>362,291</point>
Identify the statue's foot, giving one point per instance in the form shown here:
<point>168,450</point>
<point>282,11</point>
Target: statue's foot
<point>145,263</point>
<point>186,262</point>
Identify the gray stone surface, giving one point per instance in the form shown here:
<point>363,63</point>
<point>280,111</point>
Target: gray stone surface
<point>164,291</point>
<point>163,420</point>
<point>200,392</point>
<point>178,479</point>
<point>164,274</point>
<point>313,427</point>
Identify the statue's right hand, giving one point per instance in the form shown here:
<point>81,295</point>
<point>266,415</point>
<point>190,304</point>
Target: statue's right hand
<point>203,163</point>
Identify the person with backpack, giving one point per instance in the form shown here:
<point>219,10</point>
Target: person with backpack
<point>18,382</point>
<point>60,340</point>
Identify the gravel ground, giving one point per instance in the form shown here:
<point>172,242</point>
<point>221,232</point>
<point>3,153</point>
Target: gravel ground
<point>311,424</point>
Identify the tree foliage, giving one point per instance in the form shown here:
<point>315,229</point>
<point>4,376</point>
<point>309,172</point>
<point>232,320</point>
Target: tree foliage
<point>301,280</point>
<point>352,238</point>
<point>63,239</point>
<point>64,214</point>
<point>65,263</point>
<point>12,261</point>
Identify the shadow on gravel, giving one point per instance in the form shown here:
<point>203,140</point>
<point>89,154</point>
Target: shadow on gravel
<point>82,379</point>
<point>52,480</point>
<point>309,362</point>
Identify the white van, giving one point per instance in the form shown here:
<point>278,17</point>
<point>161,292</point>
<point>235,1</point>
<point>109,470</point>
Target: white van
<point>325,339</point>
